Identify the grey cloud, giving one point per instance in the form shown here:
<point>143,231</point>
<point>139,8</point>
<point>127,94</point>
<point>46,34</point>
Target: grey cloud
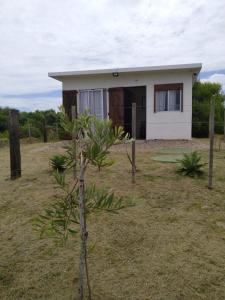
<point>37,37</point>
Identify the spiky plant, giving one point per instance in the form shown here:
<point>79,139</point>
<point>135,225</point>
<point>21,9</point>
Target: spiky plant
<point>190,165</point>
<point>58,163</point>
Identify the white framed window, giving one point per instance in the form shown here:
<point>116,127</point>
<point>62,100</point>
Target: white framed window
<point>94,101</point>
<point>168,97</point>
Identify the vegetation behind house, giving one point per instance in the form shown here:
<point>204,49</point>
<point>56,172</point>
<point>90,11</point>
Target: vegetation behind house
<point>33,121</point>
<point>202,93</point>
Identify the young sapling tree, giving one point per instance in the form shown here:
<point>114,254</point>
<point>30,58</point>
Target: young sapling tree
<point>67,216</point>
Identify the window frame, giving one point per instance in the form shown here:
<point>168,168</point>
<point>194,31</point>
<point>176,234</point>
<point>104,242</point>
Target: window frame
<point>167,88</point>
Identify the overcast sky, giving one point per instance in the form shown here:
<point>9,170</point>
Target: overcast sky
<point>38,36</point>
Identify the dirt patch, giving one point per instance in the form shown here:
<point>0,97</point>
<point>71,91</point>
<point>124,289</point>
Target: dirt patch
<point>141,145</point>
<point>153,145</point>
<point>49,147</point>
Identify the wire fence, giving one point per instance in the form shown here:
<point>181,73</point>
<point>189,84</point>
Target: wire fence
<point>55,132</point>
<point>41,131</point>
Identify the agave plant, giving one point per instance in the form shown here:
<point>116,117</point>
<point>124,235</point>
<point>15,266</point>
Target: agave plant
<point>58,163</point>
<point>190,164</point>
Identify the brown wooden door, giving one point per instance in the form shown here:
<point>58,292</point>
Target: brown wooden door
<point>116,106</point>
<point>69,99</point>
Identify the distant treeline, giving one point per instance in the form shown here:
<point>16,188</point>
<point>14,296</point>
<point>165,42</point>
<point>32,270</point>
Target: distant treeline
<point>32,122</point>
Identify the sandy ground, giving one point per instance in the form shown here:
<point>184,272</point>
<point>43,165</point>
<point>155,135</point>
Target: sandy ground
<point>142,145</point>
<point>170,245</point>
<point>154,145</point>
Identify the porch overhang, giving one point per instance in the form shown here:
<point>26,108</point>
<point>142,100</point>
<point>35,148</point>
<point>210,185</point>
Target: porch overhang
<point>194,68</point>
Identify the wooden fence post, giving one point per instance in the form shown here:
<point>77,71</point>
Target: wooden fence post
<point>133,142</point>
<point>224,125</point>
<point>211,136</point>
<point>57,131</point>
<point>29,129</point>
<point>73,114</point>
<point>14,142</point>
<point>45,134</point>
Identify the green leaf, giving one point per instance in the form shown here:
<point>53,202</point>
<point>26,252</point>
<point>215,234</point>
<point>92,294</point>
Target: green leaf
<point>60,178</point>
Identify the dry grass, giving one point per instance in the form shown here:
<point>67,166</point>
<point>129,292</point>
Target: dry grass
<point>171,245</point>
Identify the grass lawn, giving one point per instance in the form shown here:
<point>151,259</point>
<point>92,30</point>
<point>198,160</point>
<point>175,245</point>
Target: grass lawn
<point>170,245</point>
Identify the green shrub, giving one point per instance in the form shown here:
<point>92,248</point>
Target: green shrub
<point>4,138</point>
<point>190,165</point>
<point>202,94</point>
<point>58,163</point>
<point>35,131</point>
<point>4,134</point>
<point>4,142</point>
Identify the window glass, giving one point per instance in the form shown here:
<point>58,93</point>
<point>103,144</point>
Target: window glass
<point>90,106</point>
<point>83,101</point>
<point>161,101</point>
<point>98,104</point>
<point>105,104</point>
<point>93,101</point>
<point>174,100</point>
<point>168,100</point>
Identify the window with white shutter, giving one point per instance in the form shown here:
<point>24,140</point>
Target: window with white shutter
<point>93,101</point>
<point>168,97</point>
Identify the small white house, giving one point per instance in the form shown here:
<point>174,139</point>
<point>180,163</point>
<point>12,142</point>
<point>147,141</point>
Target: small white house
<point>163,97</point>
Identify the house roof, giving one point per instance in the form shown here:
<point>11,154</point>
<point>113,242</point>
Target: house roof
<point>195,68</point>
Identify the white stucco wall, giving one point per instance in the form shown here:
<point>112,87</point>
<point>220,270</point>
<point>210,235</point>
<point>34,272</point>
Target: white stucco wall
<point>160,125</point>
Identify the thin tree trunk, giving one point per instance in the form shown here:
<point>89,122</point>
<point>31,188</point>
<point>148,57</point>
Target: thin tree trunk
<point>82,231</point>
<point>86,264</point>
<point>73,113</point>
<point>84,235</point>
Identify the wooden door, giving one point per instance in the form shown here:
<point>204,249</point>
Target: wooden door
<point>116,106</point>
<point>69,99</point>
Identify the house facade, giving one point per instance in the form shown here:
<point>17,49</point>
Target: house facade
<point>163,97</point>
